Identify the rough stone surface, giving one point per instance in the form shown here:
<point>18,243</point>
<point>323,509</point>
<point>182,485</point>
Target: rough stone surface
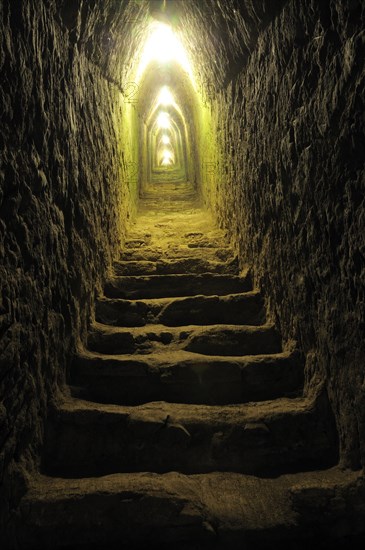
<point>291,184</point>
<point>64,198</point>
<point>216,510</point>
<point>298,180</point>
<point>246,308</point>
<point>181,376</point>
<point>157,400</point>
<point>267,438</point>
<point>285,97</point>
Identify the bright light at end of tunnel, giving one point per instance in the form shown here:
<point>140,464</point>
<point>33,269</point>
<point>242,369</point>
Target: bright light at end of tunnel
<point>166,157</point>
<point>163,120</point>
<point>165,97</point>
<point>165,139</point>
<point>163,46</point>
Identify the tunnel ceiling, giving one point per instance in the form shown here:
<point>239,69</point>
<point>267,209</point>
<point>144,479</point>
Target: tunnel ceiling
<point>222,47</point>
<point>112,32</point>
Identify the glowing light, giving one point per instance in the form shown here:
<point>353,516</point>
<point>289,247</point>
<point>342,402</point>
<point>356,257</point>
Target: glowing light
<point>167,154</point>
<point>165,139</point>
<point>167,157</point>
<point>163,120</point>
<point>165,97</point>
<point>163,46</point>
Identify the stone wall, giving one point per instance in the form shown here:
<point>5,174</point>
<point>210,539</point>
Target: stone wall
<point>65,198</point>
<point>292,132</point>
<point>285,83</point>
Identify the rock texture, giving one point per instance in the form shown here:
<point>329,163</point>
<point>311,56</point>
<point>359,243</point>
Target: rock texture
<point>302,202</point>
<point>65,199</point>
<point>217,510</point>
<point>282,167</point>
<point>154,442</point>
<point>290,122</point>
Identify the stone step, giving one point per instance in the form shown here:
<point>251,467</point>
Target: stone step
<point>151,228</point>
<point>232,340</point>
<point>193,239</point>
<point>165,286</point>
<point>174,251</point>
<point>185,377</point>
<point>182,265</point>
<point>241,309</point>
<point>218,510</point>
<point>266,438</point>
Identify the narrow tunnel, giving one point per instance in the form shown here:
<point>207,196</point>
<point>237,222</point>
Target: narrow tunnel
<point>182,209</point>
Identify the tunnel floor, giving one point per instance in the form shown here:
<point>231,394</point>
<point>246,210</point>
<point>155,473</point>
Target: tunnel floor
<point>185,420</point>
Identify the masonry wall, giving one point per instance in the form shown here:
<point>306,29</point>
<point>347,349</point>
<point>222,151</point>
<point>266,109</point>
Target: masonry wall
<point>285,95</point>
<point>65,199</point>
<point>293,178</point>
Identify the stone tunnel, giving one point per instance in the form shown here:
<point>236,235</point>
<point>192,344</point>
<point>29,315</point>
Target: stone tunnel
<point>182,250</point>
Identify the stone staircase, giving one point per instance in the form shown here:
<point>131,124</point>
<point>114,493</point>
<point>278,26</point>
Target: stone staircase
<point>184,422</point>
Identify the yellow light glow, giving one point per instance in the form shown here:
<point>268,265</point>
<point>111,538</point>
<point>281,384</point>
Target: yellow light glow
<point>167,154</point>
<point>165,139</point>
<point>167,157</point>
<point>165,97</point>
<point>163,46</point>
<point>163,120</point>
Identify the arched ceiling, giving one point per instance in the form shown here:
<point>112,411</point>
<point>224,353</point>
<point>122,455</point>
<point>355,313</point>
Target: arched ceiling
<point>113,35</point>
<point>158,75</point>
<point>112,32</point>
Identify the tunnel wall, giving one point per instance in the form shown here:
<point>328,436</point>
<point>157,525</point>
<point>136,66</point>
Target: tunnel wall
<point>293,173</point>
<point>64,198</point>
<point>286,106</point>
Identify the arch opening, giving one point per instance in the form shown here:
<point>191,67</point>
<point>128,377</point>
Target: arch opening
<point>168,111</point>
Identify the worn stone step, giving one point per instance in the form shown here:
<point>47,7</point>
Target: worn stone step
<point>185,377</point>
<point>208,340</point>
<point>198,240</point>
<point>183,265</point>
<point>165,286</point>
<point>219,510</point>
<point>175,251</point>
<point>241,309</point>
<point>169,229</point>
<point>87,439</point>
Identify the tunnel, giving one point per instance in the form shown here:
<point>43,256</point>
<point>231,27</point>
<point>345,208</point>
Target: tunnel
<point>182,308</point>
